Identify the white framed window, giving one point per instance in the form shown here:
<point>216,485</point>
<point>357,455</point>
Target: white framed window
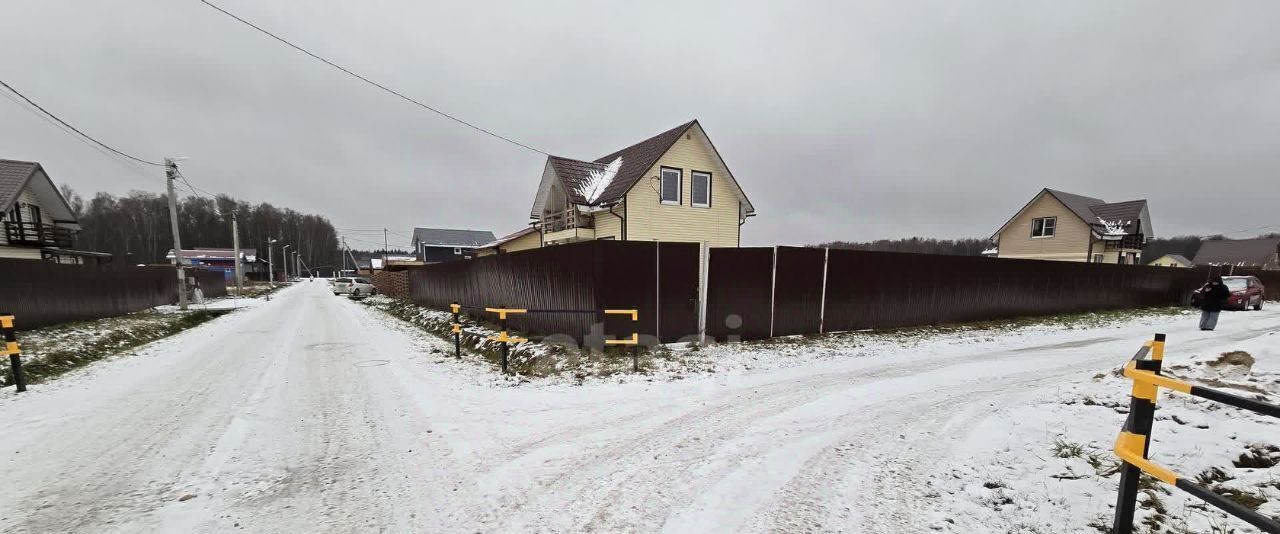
<point>1042,227</point>
<point>700,189</point>
<point>672,185</point>
<point>457,250</point>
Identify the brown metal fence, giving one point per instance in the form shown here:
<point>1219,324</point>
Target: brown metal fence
<point>754,293</point>
<point>572,285</point>
<point>41,293</point>
<point>212,284</point>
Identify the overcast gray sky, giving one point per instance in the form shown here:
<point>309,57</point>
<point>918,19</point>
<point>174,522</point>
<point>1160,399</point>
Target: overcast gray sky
<point>841,120</point>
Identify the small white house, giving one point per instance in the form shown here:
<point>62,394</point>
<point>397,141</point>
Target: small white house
<point>38,222</point>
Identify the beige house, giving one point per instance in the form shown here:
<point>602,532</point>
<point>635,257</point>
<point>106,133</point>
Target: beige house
<point>525,239</point>
<point>1061,226</point>
<point>671,187</point>
<point>38,222</point>
<point>1171,260</point>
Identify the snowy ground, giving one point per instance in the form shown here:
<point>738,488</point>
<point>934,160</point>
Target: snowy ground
<point>316,413</point>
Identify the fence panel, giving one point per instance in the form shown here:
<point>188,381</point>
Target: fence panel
<point>887,289</point>
<point>212,284</point>
<point>592,275</point>
<point>41,293</point>
<point>678,291</point>
<point>739,292</point>
<point>797,304</point>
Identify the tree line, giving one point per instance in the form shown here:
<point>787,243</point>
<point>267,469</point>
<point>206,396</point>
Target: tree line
<point>135,227</point>
<point>918,245</point>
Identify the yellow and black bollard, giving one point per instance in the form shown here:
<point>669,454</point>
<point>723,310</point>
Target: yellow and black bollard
<point>1137,432</point>
<point>634,341</point>
<point>502,335</point>
<point>11,348</point>
<point>457,330</point>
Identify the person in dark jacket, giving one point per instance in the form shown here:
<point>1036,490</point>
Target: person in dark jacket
<point>1213,296</point>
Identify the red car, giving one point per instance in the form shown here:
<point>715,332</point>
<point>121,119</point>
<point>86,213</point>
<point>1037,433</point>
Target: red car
<point>1246,292</point>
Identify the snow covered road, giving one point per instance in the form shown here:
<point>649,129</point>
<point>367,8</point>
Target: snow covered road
<point>312,412</point>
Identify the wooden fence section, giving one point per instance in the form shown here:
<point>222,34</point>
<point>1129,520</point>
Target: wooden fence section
<point>755,293</point>
<point>660,280</point>
<point>41,293</point>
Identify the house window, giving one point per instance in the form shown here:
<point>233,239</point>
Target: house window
<point>671,185</point>
<point>1097,258</point>
<point>700,189</point>
<point>1043,227</point>
<point>457,250</point>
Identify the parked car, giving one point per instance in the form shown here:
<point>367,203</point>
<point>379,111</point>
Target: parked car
<point>1246,292</point>
<point>353,286</point>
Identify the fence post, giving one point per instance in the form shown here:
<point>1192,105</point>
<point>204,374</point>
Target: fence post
<point>506,348</point>
<point>1142,409</point>
<point>457,330</point>
<point>11,347</point>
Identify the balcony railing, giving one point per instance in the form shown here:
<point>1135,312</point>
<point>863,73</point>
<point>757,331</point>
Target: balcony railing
<point>34,234</point>
<point>565,220</point>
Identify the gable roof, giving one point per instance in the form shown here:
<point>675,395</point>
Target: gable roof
<point>1090,210</point>
<point>15,176</point>
<point>510,237</point>
<point>448,237</point>
<point>1242,252</point>
<point>636,160</point>
<point>575,174</point>
<point>1175,257</point>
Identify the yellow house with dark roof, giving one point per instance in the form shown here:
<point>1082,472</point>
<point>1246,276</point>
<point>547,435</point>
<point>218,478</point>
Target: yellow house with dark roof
<point>674,186</point>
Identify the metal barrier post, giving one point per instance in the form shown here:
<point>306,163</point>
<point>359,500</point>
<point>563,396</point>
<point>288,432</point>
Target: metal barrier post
<point>11,348</point>
<point>506,347</point>
<point>634,341</point>
<point>1142,410</point>
<point>502,336</point>
<point>457,330</point>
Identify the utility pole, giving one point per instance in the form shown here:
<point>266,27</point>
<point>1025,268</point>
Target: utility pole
<point>297,267</point>
<point>235,243</point>
<point>344,257</point>
<point>271,266</point>
<point>171,173</point>
<point>285,253</point>
<point>384,249</point>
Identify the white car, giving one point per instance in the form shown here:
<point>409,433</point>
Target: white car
<point>353,286</point>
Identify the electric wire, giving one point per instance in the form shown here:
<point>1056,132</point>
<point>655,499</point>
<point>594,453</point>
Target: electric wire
<point>74,129</point>
<point>371,82</point>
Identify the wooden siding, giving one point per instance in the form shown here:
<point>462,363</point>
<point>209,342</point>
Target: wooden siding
<point>1069,242</point>
<point>609,225</point>
<point>648,219</point>
<point>525,242</point>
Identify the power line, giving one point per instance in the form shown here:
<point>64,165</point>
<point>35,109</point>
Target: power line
<point>371,82</point>
<point>74,129</point>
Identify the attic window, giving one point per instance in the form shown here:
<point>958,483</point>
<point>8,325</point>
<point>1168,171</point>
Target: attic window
<point>700,189</point>
<point>1043,227</point>
<point>671,185</point>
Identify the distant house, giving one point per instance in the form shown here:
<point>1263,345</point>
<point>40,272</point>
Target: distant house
<point>1171,260</point>
<point>1061,226</point>
<point>218,259</point>
<point>38,222</point>
<point>525,239</point>
<point>434,245</point>
<point>671,187</point>
<point>1259,253</point>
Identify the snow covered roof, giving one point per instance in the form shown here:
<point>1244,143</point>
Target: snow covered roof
<point>449,237</point>
<point>212,254</point>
